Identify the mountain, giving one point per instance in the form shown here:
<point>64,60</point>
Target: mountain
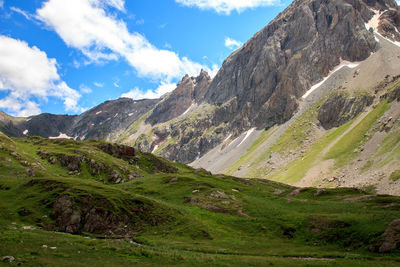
<point>80,203</point>
<point>296,91</point>
<point>104,121</point>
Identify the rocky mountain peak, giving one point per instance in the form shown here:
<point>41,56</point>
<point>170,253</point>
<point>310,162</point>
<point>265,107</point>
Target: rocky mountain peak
<point>189,90</point>
<point>295,51</point>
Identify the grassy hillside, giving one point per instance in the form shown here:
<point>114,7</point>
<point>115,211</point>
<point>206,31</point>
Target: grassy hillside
<point>72,203</point>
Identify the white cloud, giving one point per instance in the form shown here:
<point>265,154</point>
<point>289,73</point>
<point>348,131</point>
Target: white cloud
<point>213,71</point>
<point>85,25</point>
<point>232,44</point>
<point>1,3</point>
<point>163,89</point>
<point>21,12</point>
<point>227,6</point>
<point>26,73</point>
<point>85,89</point>
<point>97,84</point>
<point>118,4</point>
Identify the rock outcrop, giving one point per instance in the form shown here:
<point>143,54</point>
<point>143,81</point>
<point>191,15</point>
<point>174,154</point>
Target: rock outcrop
<point>98,216</point>
<point>339,109</point>
<point>390,239</point>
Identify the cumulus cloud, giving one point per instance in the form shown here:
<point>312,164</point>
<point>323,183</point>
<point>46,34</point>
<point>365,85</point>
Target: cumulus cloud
<point>27,74</point>
<point>86,25</point>
<point>163,89</point>
<point>232,44</point>
<point>227,6</point>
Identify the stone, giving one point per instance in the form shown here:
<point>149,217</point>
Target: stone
<point>8,259</point>
<point>173,180</point>
<point>294,193</point>
<point>30,172</point>
<point>320,192</point>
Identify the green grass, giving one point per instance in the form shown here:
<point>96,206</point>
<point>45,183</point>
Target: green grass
<point>344,150</point>
<point>395,176</point>
<point>252,151</point>
<point>297,132</point>
<point>298,168</point>
<point>249,225</point>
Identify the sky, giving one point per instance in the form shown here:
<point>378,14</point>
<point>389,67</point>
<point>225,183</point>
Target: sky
<point>67,56</point>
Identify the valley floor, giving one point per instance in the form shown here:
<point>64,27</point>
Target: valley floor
<point>73,203</point>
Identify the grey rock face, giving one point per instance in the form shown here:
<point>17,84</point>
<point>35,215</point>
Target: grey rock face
<point>189,90</point>
<point>296,50</point>
<point>339,109</point>
<point>389,25</point>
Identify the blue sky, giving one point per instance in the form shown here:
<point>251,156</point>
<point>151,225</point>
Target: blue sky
<point>62,56</point>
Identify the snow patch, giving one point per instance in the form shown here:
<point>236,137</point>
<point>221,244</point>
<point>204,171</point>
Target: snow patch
<point>226,139</point>
<point>25,132</point>
<point>189,109</point>
<point>154,149</point>
<point>249,132</point>
<point>343,63</point>
<point>393,42</point>
<point>98,112</point>
<point>374,23</point>
<point>62,135</point>
<point>130,114</point>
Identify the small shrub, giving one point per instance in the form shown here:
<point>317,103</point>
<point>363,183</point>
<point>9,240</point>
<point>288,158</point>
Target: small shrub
<point>395,175</point>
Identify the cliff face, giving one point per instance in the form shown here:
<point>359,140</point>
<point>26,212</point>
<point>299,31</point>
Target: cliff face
<point>339,109</point>
<point>260,84</point>
<point>296,50</point>
<point>189,90</point>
